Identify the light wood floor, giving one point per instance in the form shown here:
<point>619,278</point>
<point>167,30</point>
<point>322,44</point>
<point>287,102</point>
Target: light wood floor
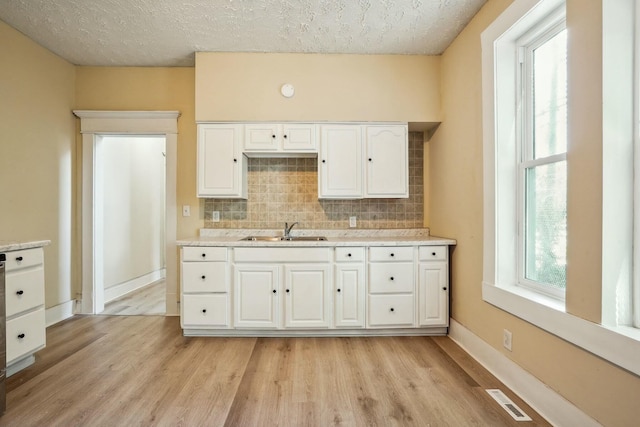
<point>140,371</point>
<point>150,300</point>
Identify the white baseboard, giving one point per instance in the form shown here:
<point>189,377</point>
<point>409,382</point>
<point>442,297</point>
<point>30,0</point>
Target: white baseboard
<point>58,313</point>
<point>548,403</point>
<point>132,285</point>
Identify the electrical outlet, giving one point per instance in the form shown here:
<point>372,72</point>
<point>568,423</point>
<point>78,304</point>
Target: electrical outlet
<point>507,339</point>
<point>215,216</point>
<point>352,221</point>
<point>186,210</point>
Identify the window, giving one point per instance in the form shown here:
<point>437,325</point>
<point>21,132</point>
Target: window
<point>542,145</point>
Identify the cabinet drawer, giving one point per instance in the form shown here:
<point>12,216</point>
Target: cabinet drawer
<point>24,290</point>
<point>23,259</point>
<point>205,310</point>
<point>205,277</point>
<point>203,253</point>
<point>349,254</point>
<point>404,253</point>
<point>25,334</point>
<point>435,253</point>
<point>391,310</point>
<point>391,277</point>
<point>288,255</point>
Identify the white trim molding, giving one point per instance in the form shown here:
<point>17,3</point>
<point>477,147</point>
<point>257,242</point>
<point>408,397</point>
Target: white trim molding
<point>59,312</point>
<point>94,124</point>
<point>549,404</point>
<point>124,288</point>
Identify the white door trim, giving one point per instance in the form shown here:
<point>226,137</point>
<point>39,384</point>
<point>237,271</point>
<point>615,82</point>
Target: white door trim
<point>94,124</point>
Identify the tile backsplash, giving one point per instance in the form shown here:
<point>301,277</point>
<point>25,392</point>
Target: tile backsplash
<point>286,190</point>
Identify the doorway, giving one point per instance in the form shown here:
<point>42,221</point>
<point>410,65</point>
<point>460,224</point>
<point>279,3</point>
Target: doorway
<point>133,222</point>
<point>95,126</point>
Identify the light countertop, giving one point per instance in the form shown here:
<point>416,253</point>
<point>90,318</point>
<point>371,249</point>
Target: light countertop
<point>12,245</point>
<point>358,237</point>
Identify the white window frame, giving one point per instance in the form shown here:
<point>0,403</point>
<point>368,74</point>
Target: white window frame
<point>616,345</point>
<point>525,45</point>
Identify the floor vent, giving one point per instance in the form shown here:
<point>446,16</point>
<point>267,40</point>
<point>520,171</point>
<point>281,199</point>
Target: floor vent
<point>508,405</point>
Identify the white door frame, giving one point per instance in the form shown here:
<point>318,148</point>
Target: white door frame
<point>94,124</point>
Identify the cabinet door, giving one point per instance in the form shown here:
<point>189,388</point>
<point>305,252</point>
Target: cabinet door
<point>299,138</point>
<point>261,137</point>
<point>433,294</point>
<point>340,162</point>
<point>349,295</point>
<point>386,164</point>
<point>307,296</point>
<point>256,296</point>
<point>221,164</point>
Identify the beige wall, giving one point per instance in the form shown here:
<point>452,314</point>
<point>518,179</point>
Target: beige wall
<point>141,88</point>
<point>605,392</point>
<point>246,86</point>
<point>37,142</point>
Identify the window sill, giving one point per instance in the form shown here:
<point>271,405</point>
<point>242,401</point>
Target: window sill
<point>619,345</point>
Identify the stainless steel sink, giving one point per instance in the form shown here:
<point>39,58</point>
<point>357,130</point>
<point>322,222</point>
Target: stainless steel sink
<point>284,239</point>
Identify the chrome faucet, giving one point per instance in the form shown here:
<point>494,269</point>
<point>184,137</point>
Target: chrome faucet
<point>287,229</point>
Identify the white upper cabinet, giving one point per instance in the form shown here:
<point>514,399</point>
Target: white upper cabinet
<point>264,139</point>
<point>386,164</point>
<point>222,167</point>
<point>340,162</point>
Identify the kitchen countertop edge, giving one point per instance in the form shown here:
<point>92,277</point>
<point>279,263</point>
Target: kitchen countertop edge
<point>10,246</point>
<point>235,241</point>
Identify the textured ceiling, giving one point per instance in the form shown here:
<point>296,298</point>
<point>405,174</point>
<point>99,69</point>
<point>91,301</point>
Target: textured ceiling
<point>168,32</point>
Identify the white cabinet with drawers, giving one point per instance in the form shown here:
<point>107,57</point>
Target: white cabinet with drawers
<point>24,299</point>
<point>391,287</point>
<point>205,287</point>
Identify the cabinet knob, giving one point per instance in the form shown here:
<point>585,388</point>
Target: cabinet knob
<point>20,292</point>
<point>392,254</point>
<point>19,258</point>
<point>204,277</point>
<point>391,278</point>
<point>338,289</point>
<point>204,310</point>
<point>235,160</point>
<point>21,336</point>
<point>204,255</point>
<point>274,291</point>
<point>324,161</point>
<point>370,159</point>
<point>391,309</point>
<point>444,289</point>
<point>285,136</point>
<point>349,255</point>
<point>287,290</point>
<point>433,253</point>
<point>273,136</point>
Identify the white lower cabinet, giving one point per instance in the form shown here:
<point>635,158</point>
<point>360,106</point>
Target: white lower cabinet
<point>391,302</point>
<point>24,302</point>
<point>433,272</point>
<point>205,281</point>
<point>349,306</point>
<point>315,288</point>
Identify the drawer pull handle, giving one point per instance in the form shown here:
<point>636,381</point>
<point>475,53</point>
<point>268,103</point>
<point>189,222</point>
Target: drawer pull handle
<point>274,291</point>
<point>391,278</point>
<point>285,136</point>
<point>349,255</point>
<point>444,289</point>
<point>204,255</point>
<point>21,336</point>
<point>433,253</point>
<point>273,136</point>
<point>204,310</point>
<point>287,290</point>
<point>20,292</point>
<point>19,259</point>
<point>391,309</point>
<point>392,254</point>
<point>204,277</point>
<point>235,160</point>
<point>338,289</point>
